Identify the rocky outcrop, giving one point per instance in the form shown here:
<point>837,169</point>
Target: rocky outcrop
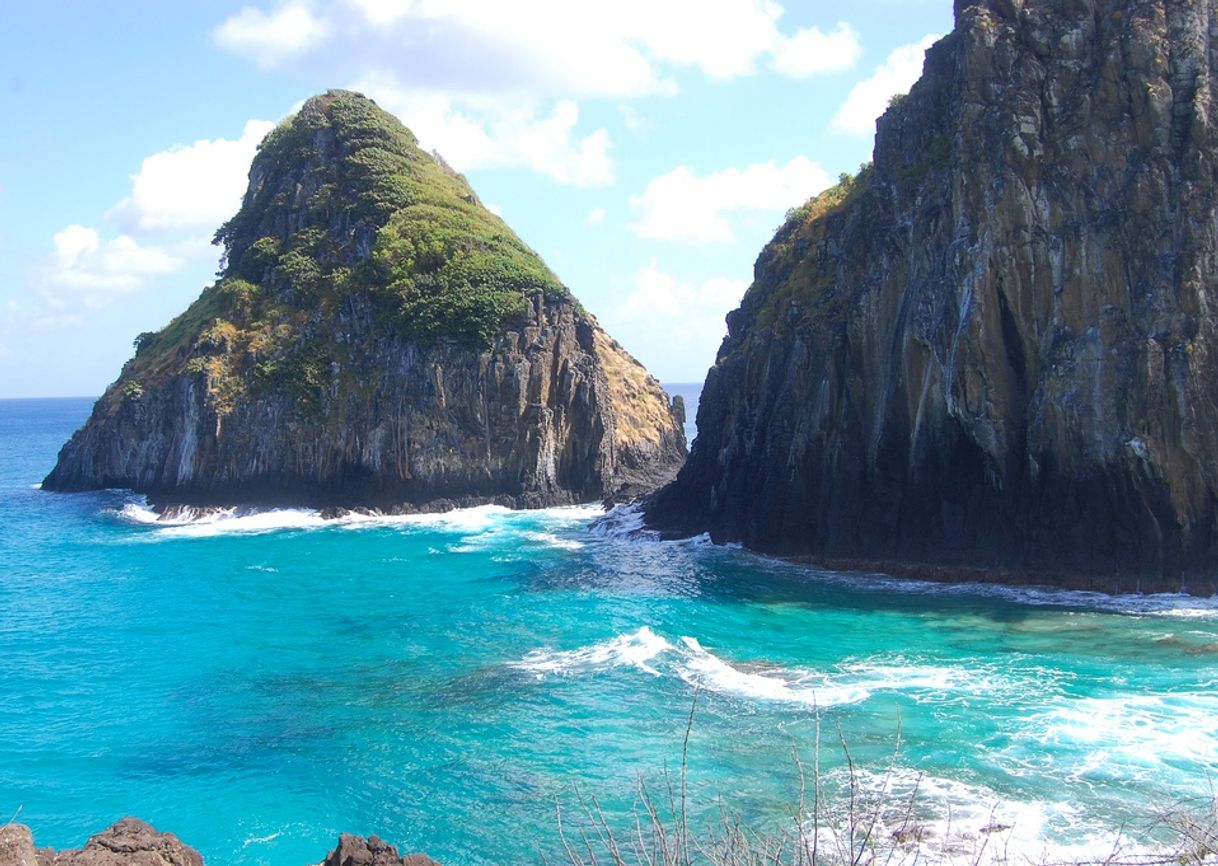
<point>373,851</point>
<point>132,842</point>
<point>993,351</point>
<point>17,846</point>
<point>377,339</point>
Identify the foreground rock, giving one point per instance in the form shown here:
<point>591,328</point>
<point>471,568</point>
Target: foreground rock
<point>377,339</point>
<point>995,352</point>
<point>358,851</point>
<point>132,842</point>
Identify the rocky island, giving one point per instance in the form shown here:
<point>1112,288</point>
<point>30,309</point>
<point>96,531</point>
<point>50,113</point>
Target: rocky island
<point>992,352</point>
<point>377,338</point>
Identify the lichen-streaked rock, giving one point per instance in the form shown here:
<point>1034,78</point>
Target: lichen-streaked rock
<point>377,339</point>
<point>994,350</point>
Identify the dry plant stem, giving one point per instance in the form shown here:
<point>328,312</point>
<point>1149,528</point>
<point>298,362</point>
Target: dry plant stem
<point>689,726</point>
<point>859,836</point>
<point>816,794</point>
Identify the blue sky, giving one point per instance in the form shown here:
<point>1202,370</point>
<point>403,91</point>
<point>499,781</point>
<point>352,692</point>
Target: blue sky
<point>646,148</point>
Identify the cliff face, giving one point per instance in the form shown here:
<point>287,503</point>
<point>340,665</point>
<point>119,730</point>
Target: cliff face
<point>994,349</point>
<point>377,339</point>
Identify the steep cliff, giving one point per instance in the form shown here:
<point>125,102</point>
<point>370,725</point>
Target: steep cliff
<point>993,351</point>
<point>377,338</point>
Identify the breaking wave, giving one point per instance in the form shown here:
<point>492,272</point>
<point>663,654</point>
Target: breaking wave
<point>845,683</point>
<point>476,526</point>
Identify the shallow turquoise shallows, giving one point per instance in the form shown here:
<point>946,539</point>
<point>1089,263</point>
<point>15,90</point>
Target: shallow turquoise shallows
<point>258,683</point>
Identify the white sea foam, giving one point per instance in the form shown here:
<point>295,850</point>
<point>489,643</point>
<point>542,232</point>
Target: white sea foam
<point>549,539</point>
<point>623,521</point>
<point>941,820</point>
<point>207,523</point>
<point>478,526</point>
<point>1166,604</point>
<point>847,683</point>
<point>709,671</point>
<point>636,650</point>
<point>1159,735</point>
<point>261,840</point>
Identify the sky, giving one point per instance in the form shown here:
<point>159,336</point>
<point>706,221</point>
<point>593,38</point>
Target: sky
<point>647,149</point>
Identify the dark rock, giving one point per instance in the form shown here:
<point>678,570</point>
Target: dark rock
<point>373,851</point>
<point>996,350</point>
<point>380,340</point>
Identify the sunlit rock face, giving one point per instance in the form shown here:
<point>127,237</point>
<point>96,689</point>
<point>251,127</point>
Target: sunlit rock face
<point>376,339</point>
<point>992,353</point>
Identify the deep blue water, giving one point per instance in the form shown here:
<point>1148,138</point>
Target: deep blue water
<point>258,683</point>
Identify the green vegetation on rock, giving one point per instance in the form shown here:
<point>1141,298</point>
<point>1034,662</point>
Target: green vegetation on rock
<point>805,288</point>
<point>344,208</point>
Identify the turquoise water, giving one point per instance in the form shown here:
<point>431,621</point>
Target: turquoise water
<point>259,683</point>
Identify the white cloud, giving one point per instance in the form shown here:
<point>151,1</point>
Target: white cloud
<point>191,187</point>
<point>722,38</point>
<point>812,51</point>
<point>87,267</point>
<point>682,206</point>
<point>596,216</point>
<point>483,132</point>
<point>868,99</point>
<point>495,84</point>
<point>270,38</point>
<point>179,195</point>
<point>383,12</point>
<point>675,326</point>
<point>554,47</point>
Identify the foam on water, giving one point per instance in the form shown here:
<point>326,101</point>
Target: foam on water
<point>636,650</point>
<point>622,522</point>
<point>706,670</point>
<point>943,820</point>
<point>1165,604</point>
<point>549,539</point>
<point>212,522</point>
<point>846,683</point>
<point>478,523</point>
<point>261,840</point>
<point>1161,735</point>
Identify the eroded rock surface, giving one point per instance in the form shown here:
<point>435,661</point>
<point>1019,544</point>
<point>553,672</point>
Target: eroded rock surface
<point>377,339</point>
<point>994,351</point>
<point>132,842</point>
<point>373,851</point>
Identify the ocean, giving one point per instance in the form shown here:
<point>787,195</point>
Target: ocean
<point>259,682</point>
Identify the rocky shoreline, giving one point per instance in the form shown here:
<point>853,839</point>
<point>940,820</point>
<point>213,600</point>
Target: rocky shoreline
<point>991,352</point>
<point>132,842</point>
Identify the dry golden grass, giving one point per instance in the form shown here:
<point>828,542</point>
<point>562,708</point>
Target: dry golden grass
<point>638,400</point>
